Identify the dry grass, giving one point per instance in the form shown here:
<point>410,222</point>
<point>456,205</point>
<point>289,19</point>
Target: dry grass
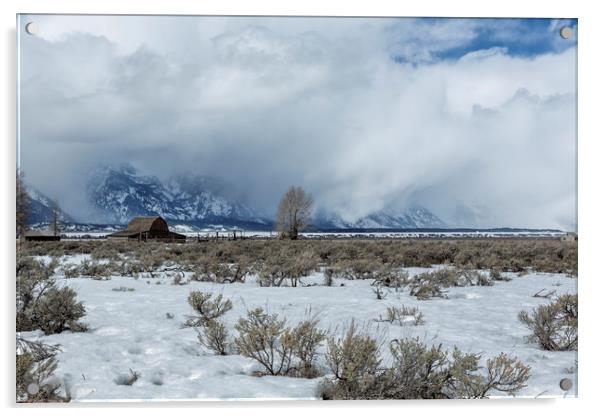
<point>347,258</point>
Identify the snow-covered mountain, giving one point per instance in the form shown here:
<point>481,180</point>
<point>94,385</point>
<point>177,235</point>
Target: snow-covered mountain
<point>412,217</point>
<point>40,208</point>
<point>117,194</point>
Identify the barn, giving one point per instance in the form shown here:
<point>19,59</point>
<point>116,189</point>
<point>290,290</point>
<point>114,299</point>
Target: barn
<point>147,228</point>
<point>41,235</point>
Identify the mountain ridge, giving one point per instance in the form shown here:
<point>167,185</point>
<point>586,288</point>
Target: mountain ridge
<point>118,193</point>
<point>40,208</point>
<point>413,217</point>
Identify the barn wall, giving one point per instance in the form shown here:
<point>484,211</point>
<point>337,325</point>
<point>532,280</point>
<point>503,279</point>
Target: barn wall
<point>159,226</point>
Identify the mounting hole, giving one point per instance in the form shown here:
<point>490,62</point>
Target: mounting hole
<point>33,388</point>
<point>566,384</point>
<point>32,28</point>
<point>566,32</point>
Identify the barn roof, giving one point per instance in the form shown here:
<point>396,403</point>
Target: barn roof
<point>141,224</point>
<point>137,225</point>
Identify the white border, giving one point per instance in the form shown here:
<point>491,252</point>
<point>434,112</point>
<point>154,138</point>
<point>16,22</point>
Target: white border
<point>590,210</point>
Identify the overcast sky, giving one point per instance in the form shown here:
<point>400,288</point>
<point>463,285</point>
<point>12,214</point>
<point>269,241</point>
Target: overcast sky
<point>473,119</point>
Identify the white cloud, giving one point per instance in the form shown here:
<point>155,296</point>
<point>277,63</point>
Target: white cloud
<point>270,102</point>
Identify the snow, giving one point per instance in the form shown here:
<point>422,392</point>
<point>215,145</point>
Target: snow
<point>130,330</point>
<point>194,232</point>
<point>120,192</point>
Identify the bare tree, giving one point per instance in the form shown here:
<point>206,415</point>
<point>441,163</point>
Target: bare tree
<point>22,204</point>
<point>294,212</point>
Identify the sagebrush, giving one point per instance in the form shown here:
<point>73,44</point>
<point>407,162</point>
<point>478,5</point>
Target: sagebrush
<point>417,372</point>
<point>40,304</point>
<point>554,326</point>
<point>278,348</point>
<point>207,307</point>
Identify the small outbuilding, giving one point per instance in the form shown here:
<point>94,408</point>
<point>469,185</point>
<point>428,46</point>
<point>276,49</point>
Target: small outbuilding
<point>147,229</point>
<point>41,235</point>
<point>569,238</point>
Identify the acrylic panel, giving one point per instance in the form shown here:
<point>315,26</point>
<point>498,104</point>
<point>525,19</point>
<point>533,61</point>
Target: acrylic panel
<point>229,207</point>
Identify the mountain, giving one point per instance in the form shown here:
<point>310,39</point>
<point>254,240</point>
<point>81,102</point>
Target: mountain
<point>40,209</point>
<point>117,194</point>
<point>413,217</point>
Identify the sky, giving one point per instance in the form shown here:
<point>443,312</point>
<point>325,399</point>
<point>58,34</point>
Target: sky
<point>474,119</point>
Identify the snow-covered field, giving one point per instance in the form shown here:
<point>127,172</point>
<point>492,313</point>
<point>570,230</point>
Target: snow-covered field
<point>206,233</point>
<point>131,330</point>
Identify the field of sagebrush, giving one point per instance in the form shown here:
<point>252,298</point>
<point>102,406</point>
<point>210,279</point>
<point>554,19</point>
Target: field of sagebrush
<point>345,319</point>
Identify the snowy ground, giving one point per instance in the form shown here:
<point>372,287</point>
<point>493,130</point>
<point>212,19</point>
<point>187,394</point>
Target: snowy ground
<point>130,330</point>
<point>207,233</point>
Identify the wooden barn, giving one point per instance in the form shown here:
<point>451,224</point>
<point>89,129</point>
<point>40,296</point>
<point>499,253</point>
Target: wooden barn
<point>147,228</point>
<point>41,235</point>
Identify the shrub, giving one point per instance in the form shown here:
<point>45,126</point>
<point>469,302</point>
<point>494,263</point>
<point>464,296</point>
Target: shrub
<point>380,291</point>
<point>94,269</point>
<point>123,289</point>
<point>328,277</point>
<point>280,350</point>
<point>473,278</point>
<point>279,268</point>
<point>42,306</point>
<point>354,361</point>
<point>229,273</point>
<point>363,268</point>
<point>35,365</point>
<point>431,373</point>
<point>33,281</point>
<point>404,315</point>
<point>214,336</point>
<point>335,271</point>
<point>353,356</point>
<point>307,337</point>
<point>427,373</point>
<point>70,271</point>
<point>496,275</point>
<point>127,379</point>
<point>58,310</point>
<point>130,267</point>
<point>150,263</point>
<point>264,338</point>
<point>426,289</point>
<point>178,279</point>
<point>421,372</point>
<point>206,308</point>
<point>389,277</point>
<point>105,252</point>
<point>544,255</point>
<point>554,326</point>
<point>431,284</point>
<point>504,374</point>
<point>271,273</point>
<point>202,267</point>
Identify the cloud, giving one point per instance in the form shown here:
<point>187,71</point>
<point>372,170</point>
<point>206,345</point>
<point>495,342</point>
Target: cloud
<point>365,113</point>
